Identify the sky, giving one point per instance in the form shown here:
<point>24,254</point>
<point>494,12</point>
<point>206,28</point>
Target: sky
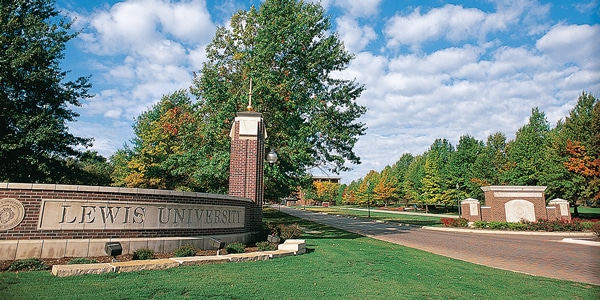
<point>432,69</point>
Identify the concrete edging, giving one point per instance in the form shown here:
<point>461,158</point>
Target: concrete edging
<point>291,248</point>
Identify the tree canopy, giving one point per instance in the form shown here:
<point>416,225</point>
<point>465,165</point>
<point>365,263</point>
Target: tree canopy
<point>35,98</point>
<point>288,51</point>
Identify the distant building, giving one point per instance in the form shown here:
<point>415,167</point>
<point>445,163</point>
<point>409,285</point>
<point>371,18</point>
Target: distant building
<point>301,198</point>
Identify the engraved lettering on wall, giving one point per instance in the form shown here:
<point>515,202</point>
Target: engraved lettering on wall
<point>76,215</point>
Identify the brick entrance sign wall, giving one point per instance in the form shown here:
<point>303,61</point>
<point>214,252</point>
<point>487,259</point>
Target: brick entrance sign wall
<point>513,204</point>
<point>47,220</point>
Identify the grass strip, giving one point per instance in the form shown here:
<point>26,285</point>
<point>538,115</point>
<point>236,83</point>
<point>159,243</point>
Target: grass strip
<point>382,216</point>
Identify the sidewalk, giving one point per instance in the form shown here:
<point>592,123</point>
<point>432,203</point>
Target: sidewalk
<point>405,213</point>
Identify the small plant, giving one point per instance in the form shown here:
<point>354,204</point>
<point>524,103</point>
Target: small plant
<point>185,250</point>
<point>28,264</point>
<point>290,231</point>
<point>596,229</point>
<point>144,253</point>
<point>266,246</point>
<point>235,247</point>
<point>81,261</point>
<point>455,222</point>
<point>285,231</point>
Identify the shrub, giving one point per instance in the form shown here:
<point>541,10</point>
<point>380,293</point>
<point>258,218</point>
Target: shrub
<point>266,246</point>
<point>185,250</point>
<point>285,231</point>
<point>235,247</point>
<point>81,261</point>
<point>516,226</point>
<point>290,231</point>
<point>144,253</point>
<point>540,225</point>
<point>455,222</point>
<point>28,264</point>
<point>596,229</point>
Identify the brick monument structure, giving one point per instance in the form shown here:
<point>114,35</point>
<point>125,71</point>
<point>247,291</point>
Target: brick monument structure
<point>246,170</point>
<point>513,204</point>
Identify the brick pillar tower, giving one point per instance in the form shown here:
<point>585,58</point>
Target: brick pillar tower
<point>246,160</point>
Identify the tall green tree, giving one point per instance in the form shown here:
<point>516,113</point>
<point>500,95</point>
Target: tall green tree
<point>35,99</point>
<point>491,165</point>
<point>437,180</point>
<point>386,189</point>
<point>526,152</point>
<point>462,167</point>
<point>399,170</point>
<point>365,192</point>
<point>288,50</point>
<point>413,186</point>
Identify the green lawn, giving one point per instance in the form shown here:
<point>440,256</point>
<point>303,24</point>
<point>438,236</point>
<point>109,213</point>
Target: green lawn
<point>588,212</point>
<point>382,216</point>
<point>339,265</point>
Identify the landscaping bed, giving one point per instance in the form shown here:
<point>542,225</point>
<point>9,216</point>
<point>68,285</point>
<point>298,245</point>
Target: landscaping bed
<point>5,264</point>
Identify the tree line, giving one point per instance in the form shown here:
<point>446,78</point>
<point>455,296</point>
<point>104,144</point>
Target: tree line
<point>565,158</point>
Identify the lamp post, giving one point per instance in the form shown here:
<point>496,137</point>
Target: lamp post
<point>271,159</point>
<point>369,198</point>
<point>458,198</point>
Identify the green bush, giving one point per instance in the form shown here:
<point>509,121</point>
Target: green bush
<point>235,247</point>
<point>516,226</point>
<point>266,246</point>
<point>540,225</point>
<point>144,253</point>
<point>81,261</point>
<point>185,250</point>
<point>28,264</point>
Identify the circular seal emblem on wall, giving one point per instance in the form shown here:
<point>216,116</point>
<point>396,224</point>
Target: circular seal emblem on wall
<point>12,213</point>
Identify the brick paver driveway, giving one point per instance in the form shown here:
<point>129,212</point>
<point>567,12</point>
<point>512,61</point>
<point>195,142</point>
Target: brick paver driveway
<point>540,255</point>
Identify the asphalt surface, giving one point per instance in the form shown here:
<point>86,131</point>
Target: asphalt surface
<point>544,255</point>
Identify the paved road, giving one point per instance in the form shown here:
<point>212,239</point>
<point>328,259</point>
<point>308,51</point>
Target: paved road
<point>540,255</point>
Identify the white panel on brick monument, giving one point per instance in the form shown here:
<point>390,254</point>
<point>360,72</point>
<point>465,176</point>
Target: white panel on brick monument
<point>564,209</point>
<point>516,210</point>
<point>474,211</point>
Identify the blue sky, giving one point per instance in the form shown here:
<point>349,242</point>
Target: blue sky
<point>432,69</point>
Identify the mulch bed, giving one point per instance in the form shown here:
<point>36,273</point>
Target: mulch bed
<point>5,264</point>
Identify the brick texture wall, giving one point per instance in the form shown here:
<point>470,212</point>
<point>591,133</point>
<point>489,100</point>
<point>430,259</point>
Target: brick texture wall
<point>31,195</point>
<point>246,162</point>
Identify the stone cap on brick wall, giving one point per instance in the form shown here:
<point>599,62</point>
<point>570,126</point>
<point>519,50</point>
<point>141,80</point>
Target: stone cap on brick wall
<point>110,189</point>
<point>513,188</point>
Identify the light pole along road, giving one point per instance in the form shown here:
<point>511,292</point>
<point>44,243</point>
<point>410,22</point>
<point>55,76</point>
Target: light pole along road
<point>534,254</point>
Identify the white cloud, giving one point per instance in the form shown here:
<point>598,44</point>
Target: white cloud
<point>135,25</point>
<point>359,8</point>
<point>572,44</point>
<point>354,36</point>
<point>143,50</point>
<point>451,22</point>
